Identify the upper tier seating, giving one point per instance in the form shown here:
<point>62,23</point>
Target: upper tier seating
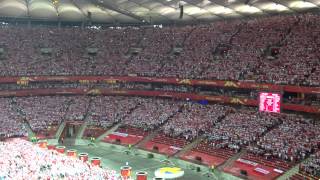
<point>247,42</point>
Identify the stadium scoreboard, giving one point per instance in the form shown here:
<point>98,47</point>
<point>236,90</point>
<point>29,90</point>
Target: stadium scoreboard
<point>270,102</point>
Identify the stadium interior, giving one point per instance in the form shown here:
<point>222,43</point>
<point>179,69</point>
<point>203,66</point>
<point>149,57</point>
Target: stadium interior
<point>160,89</point>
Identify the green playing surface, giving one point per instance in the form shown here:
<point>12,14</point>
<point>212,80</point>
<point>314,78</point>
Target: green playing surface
<point>114,158</point>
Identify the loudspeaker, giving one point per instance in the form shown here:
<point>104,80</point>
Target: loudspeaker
<point>243,172</point>
<point>181,11</point>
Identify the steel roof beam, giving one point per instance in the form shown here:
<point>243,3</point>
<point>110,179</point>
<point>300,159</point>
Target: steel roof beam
<point>76,5</point>
<point>103,9</point>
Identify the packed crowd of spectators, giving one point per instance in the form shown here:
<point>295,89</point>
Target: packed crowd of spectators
<point>49,85</point>
<point>21,160</point>
<point>151,113</point>
<point>42,112</point>
<point>312,165</point>
<point>240,128</point>
<point>78,108</point>
<point>194,120</point>
<point>106,111</point>
<point>247,44</point>
<point>293,140</point>
<point>10,122</point>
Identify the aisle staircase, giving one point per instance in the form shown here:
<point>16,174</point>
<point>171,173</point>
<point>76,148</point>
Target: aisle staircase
<point>60,130</point>
<point>156,132</point>
<point>110,131</point>
<point>230,41</point>
<point>147,138</point>
<point>187,36</point>
<point>116,126</point>
<point>27,126</point>
<point>294,170</point>
<point>190,146</point>
<point>22,114</point>
<point>63,123</point>
<point>129,56</point>
<point>232,159</point>
<point>69,142</point>
<point>85,122</point>
<point>289,173</point>
<point>81,130</point>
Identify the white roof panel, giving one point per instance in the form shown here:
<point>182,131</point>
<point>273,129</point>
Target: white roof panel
<point>159,10</point>
<point>13,8</point>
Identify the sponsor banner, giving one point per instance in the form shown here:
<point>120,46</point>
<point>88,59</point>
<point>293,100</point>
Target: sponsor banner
<point>278,171</point>
<point>301,108</point>
<point>120,134</point>
<point>175,148</point>
<point>250,163</point>
<point>262,171</point>
<point>177,81</point>
<point>189,157</point>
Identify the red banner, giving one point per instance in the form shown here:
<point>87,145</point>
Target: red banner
<point>177,95</point>
<point>177,81</point>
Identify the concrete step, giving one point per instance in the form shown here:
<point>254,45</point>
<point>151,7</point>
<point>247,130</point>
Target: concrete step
<point>27,126</point>
<point>190,146</point>
<point>148,138</point>
<point>232,159</point>
<point>82,129</point>
<point>60,130</point>
<point>294,170</point>
<point>110,131</point>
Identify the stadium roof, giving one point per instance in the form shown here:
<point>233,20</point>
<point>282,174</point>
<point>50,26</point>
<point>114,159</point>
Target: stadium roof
<point>156,11</point>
